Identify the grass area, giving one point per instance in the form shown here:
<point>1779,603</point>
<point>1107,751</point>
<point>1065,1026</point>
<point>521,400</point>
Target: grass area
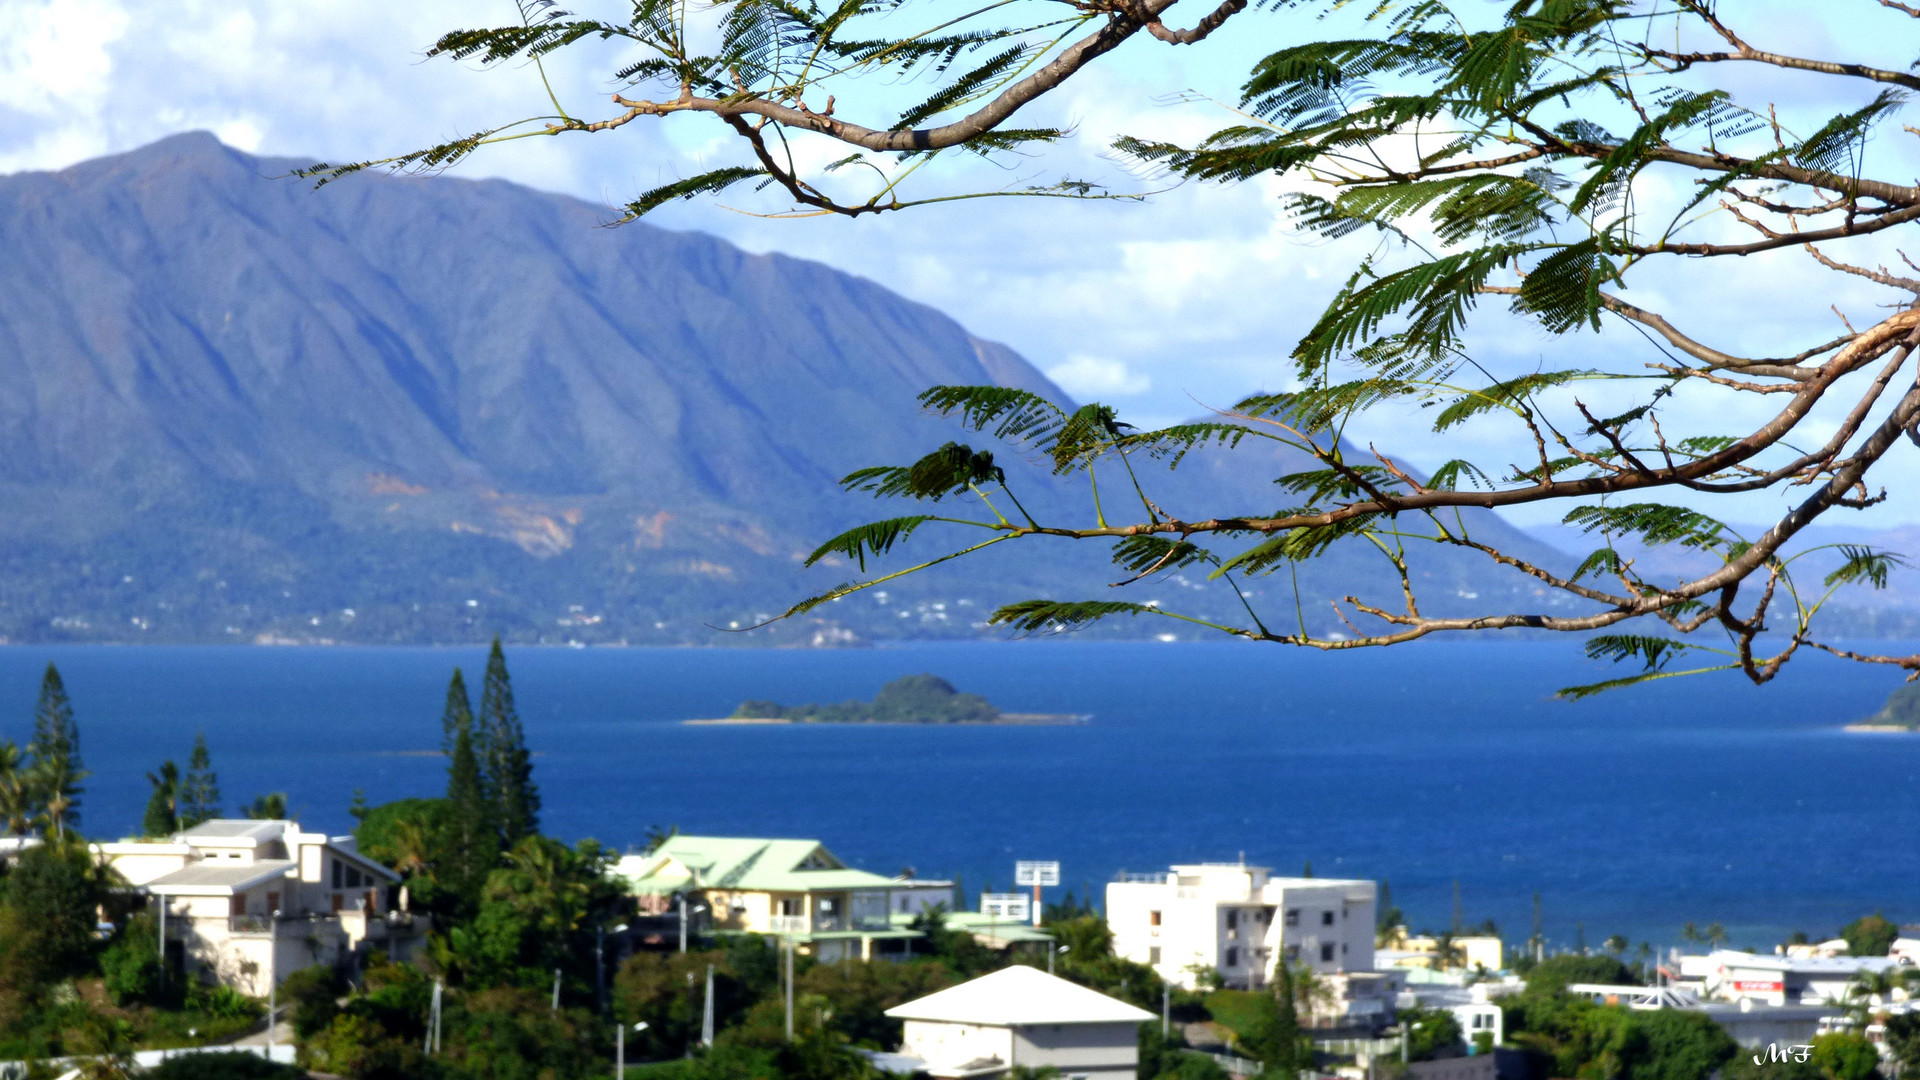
<point>1238,1010</point>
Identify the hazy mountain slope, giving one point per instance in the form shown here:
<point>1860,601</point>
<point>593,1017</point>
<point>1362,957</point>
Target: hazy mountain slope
<point>232,407</point>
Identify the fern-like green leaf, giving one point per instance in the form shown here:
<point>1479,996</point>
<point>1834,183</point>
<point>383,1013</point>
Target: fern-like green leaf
<point>874,538</point>
<point>1036,615</point>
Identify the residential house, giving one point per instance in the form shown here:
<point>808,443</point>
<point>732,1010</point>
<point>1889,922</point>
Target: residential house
<point>1468,952</point>
<point>1021,1017</point>
<point>795,889</point>
<point>247,903</point>
<point>1241,921</point>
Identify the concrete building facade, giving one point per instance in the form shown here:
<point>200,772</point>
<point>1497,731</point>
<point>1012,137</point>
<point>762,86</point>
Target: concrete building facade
<point>1241,921</point>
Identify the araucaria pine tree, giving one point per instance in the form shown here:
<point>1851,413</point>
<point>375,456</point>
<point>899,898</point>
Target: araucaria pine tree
<point>55,755</point>
<point>200,793</point>
<point>457,716</point>
<point>162,818</point>
<point>506,767</point>
<point>472,838</point>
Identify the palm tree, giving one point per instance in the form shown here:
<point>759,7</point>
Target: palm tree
<point>412,846</point>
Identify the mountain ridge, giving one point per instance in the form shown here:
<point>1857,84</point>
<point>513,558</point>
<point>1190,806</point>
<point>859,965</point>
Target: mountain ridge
<point>407,410</point>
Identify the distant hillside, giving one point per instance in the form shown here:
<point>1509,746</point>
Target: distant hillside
<point>233,408</point>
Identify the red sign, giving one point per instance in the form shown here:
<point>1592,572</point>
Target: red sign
<point>1759,987</point>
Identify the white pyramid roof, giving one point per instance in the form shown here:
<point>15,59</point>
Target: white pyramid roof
<point>1019,995</point>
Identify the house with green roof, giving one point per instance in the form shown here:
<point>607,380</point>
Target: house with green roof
<point>793,889</point>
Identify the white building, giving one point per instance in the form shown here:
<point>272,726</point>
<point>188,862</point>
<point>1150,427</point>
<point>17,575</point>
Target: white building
<point>1727,975</point>
<point>1021,1016</point>
<point>1240,920</point>
<point>247,903</point>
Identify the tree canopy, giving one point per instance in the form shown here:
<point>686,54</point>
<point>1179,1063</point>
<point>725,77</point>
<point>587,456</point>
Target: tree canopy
<point>1539,157</point>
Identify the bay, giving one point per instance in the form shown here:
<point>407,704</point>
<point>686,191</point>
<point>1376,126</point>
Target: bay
<point>1697,799</point>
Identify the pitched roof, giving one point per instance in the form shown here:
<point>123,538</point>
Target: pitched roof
<point>1020,995</point>
<point>748,863</point>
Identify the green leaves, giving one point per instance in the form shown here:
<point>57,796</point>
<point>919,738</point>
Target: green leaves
<point>1141,555</point>
<point>875,538</point>
<point>707,183</point>
<point>1653,523</point>
<point>1511,394</point>
<point>1864,564</point>
<point>1018,415</point>
<point>951,469</point>
<point>1036,615</point>
<point>1653,652</point>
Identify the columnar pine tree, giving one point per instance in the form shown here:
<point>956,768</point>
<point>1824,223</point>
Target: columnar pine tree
<point>457,716</point>
<point>200,794</point>
<point>472,841</point>
<point>55,754</point>
<point>507,768</point>
<point>162,818</point>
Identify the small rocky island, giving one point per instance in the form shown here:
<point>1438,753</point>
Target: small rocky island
<point>915,699</point>
<point>1901,713</point>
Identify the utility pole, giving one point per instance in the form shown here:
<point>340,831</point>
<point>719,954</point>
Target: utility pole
<point>683,922</point>
<point>619,1052</point>
<point>433,1019</point>
<point>789,944</point>
<point>556,989</point>
<point>273,1006</point>
<point>706,1013</point>
<point>600,968</point>
<point>1166,1010</point>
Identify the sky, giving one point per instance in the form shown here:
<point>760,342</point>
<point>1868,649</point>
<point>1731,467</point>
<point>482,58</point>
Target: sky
<point>1167,308</point>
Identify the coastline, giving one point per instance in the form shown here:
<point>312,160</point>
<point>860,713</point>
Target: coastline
<point>1898,728</point>
<point>1005,720</point>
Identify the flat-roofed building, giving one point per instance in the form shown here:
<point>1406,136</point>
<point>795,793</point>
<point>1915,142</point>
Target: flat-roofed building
<point>1241,921</point>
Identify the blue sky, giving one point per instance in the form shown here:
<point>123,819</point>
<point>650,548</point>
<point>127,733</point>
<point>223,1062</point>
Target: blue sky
<point>1164,309</point>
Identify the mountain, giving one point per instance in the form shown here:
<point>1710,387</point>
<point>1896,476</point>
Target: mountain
<point>235,408</point>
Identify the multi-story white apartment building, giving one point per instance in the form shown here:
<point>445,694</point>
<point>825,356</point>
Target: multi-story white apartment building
<point>1240,921</point>
<point>247,903</point>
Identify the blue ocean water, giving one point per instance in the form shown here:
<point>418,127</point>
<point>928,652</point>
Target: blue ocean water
<point>1697,799</point>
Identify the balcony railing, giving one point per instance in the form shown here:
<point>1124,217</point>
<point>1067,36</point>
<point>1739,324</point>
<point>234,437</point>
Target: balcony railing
<point>250,924</point>
<point>787,924</point>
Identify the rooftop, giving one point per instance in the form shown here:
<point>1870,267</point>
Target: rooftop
<point>218,879</point>
<point>747,863</point>
<point>1016,996</point>
<point>237,832</point>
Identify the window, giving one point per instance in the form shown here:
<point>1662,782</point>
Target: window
<point>1153,954</point>
<point>1233,919</point>
<point>1343,948</point>
<point>1293,952</point>
<point>339,873</point>
<point>353,877</point>
<point>1326,918</point>
<point>1293,916</point>
<point>1153,918</point>
<point>239,904</point>
<point>1326,953</point>
<point>1233,957</point>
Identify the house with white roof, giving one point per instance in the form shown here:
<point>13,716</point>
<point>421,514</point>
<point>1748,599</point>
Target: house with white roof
<point>795,889</point>
<point>247,903</point>
<point>1021,1016</point>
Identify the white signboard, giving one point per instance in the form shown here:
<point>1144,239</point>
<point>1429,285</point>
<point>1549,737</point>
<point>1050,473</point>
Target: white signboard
<point>1036,873</point>
<point>1012,907</point>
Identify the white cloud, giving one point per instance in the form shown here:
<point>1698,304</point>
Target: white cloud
<point>1091,377</point>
